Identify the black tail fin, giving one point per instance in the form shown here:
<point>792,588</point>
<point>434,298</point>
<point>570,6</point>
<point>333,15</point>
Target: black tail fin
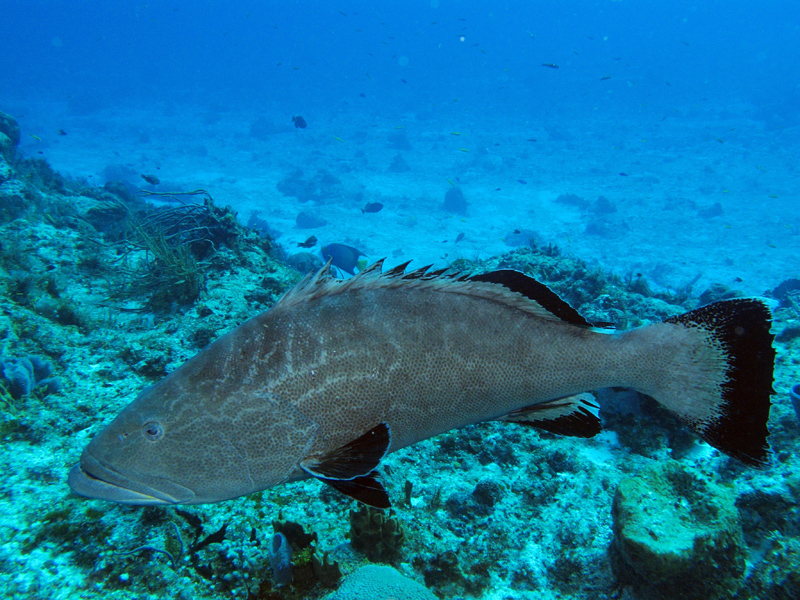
<point>739,332</point>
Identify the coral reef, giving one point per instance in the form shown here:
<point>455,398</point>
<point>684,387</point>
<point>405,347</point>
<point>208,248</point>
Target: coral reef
<point>495,510</point>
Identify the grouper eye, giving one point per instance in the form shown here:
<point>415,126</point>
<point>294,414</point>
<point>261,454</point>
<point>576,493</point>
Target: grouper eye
<point>152,431</point>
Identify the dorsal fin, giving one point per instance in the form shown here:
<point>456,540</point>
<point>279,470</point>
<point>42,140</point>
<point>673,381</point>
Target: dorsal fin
<point>373,269</point>
<point>536,291</point>
<point>511,288</point>
<point>417,273</point>
<point>434,274</point>
<point>398,270</point>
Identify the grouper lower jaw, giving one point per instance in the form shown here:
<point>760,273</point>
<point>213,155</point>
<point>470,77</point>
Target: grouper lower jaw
<point>92,479</point>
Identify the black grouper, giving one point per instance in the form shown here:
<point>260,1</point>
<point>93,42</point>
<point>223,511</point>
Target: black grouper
<point>340,372</point>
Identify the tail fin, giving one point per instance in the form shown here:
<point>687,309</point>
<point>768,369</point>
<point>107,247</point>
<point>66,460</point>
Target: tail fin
<point>735,334</point>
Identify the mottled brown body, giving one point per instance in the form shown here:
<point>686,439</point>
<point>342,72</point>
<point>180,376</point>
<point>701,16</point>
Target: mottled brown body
<point>334,359</point>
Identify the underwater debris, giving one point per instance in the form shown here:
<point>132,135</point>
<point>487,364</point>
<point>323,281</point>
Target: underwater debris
<point>299,122</point>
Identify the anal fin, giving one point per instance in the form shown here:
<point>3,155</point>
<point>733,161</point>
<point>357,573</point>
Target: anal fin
<point>572,415</point>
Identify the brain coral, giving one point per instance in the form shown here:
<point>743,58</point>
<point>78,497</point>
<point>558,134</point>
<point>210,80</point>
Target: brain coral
<point>380,583</point>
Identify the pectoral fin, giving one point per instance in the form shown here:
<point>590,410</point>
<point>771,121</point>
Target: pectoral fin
<point>573,415</point>
<point>367,489</point>
<point>351,468</point>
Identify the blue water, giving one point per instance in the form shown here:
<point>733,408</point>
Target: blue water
<point>307,54</point>
<point>684,116</point>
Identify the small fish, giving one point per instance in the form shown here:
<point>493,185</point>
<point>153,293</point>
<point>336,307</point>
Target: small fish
<point>151,179</point>
<point>342,256</point>
<point>522,181</point>
<point>455,133</point>
<point>299,122</point>
<point>309,243</point>
<point>623,174</point>
<point>463,150</point>
<point>459,237</point>
<point>62,132</point>
<point>550,65</point>
<point>531,140</point>
<point>36,137</point>
<point>339,373</point>
<point>606,78</point>
<point>372,207</point>
<point>338,139</point>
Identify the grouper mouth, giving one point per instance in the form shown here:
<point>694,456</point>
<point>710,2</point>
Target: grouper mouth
<point>93,479</point>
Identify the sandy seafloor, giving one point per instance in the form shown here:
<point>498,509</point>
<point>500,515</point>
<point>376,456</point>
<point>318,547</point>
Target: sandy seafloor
<point>678,164</point>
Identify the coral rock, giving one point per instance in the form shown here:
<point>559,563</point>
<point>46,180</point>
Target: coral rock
<point>677,535</point>
<point>9,136</point>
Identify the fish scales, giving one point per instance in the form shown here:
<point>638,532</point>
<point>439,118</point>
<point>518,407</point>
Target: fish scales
<point>340,372</point>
